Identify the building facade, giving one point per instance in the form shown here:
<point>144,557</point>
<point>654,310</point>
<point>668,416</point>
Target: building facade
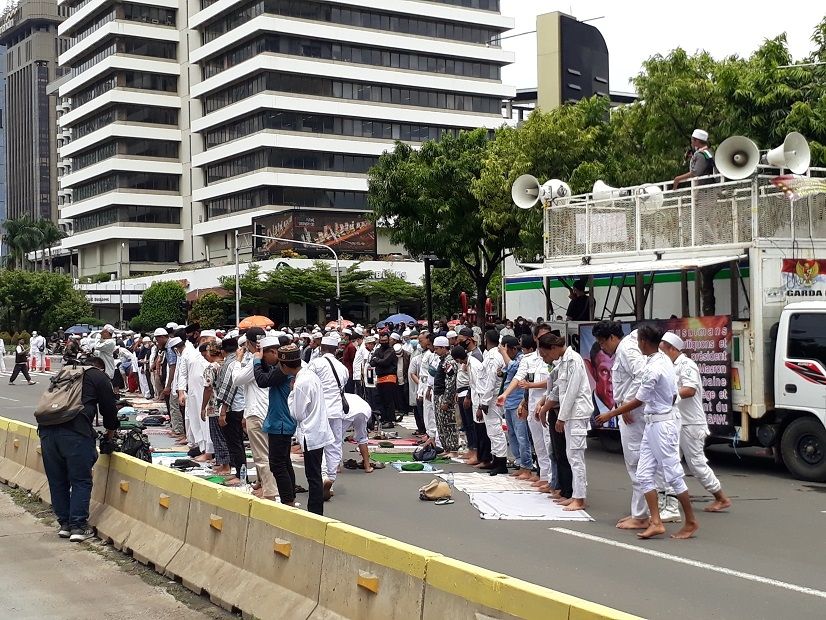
<point>191,118</point>
<point>30,36</point>
<point>2,147</point>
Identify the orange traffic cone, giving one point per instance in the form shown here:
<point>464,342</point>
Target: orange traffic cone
<point>48,364</point>
<point>33,364</point>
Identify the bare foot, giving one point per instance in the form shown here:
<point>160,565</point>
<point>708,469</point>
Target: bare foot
<point>524,474</point>
<point>328,490</point>
<point>535,479</point>
<point>203,458</point>
<point>538,483</point>
<point>576,504</point>
<point>688,530</point>
<point>655,529</point>
<point>479,464</point>
<point>563,501</point>
<point>718,505</point>
<point>258,492</point>
<point>368,468</point>
<point>471,462</point>
<point>544,489</point>
<point>631,523</point>
<point>232,481</point>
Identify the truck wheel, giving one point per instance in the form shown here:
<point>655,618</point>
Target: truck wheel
<point>803,448</point>
<point>610,441</point>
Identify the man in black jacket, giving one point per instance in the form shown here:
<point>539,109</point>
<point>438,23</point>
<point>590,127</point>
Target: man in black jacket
<point>69,453</point>
<point>386,365</point>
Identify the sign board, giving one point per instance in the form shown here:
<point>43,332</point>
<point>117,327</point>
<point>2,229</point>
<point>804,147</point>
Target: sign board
<point>605,228</point>
<point>346,232</point>
<point>804,278</point>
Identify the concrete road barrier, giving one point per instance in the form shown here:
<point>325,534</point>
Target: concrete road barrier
<point>17,447</point>
<point>213,554</point>
<point>163,512</point>
<point>122,505</point>
<point>4,432</point>
<point>370,577</point>
<point>462,591</point>
<point>282,562</point>
<point>33,476</point>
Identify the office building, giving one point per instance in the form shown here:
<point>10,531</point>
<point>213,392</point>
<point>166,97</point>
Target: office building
<point>185,130</point>
<point>30,36</point>
<point>2,147</point>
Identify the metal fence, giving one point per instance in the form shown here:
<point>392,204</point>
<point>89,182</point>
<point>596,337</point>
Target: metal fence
<point>710,211</point>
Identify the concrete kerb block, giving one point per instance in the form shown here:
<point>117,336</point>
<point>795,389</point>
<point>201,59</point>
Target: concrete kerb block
<point>100,476</point>
<point>121,509</point>
<point>462,591</point>
<point>33,476</point>
<point>370,577</point>
<point>17,447</point>
<point>163,511</point>
<point>4,432</point>
<point>213,553</point>
<point>282,562</point>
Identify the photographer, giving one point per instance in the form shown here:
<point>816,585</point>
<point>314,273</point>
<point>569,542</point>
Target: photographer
<point>69,453</point>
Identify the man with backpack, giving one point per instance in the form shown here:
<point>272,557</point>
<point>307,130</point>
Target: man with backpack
<point>64,417</point>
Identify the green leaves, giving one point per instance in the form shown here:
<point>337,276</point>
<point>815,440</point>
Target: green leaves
<point>161,303</point>
<point>39,300</point>
<point>210,311</point>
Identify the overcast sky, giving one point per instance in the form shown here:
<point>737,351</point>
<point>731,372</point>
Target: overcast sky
<point>635,30</point>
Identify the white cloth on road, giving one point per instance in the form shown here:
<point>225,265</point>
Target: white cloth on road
<point>517,506</point>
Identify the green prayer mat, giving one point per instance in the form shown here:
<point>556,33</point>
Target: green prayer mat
<point>405,457</point>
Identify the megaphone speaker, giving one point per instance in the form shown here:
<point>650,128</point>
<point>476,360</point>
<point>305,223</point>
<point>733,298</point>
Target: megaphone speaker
<point>793,154</point>
<point>737,157</point>
<point>603,192</point>
<point>525,191</point>
<point>651,197</point>
<point>555,193</point>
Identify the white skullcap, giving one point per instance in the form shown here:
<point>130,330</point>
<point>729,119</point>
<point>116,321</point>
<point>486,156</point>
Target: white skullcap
<point>451,334</point>
<point>397,348</point>
<point>406,333</point>
<point>269,341</point>
<point>395,336</point>
<point>700,134</point>
<point>160,332</point>
<point>208,333</point>
<point>441,341</point>
<point>304,335</point>
<point>108,328</point>
<point>171,325</point>
<point>369,339</point>
<point>317,335</point>
<point>242,340</point>
<point>175,342</point>
<point>147,339</point>
<point>329,341</point>
<point>674,340</point>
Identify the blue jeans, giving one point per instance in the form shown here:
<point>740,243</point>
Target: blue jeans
<point>519,438</point>
<point>68,458</point>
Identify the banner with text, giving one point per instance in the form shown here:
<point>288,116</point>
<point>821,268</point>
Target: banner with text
<point>346,232</point>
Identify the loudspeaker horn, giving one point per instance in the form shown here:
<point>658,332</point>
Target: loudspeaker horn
<point>555,193</point>
<point>525,191</point>
<point>651,197</point>
<point>793,154</point>
<point>737,158</point>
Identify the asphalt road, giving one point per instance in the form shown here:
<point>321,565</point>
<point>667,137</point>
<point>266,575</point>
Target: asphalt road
<point>766,558</point>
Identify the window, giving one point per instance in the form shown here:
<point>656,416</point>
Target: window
<point>150,251</point>
<point>291,159</point>
<point>807,339</point>
<point>302,197</point>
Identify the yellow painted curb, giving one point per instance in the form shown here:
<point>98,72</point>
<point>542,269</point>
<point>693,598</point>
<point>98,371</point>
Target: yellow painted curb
<point>226,499</point>
<point>128,466</point>
<point>299,522</point>
<point>168,480</point>
<point>378,549</point>
<point>4,424</point>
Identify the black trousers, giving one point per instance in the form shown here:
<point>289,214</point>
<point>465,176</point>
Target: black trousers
<point>315,485</point>
<point>402,405</point>
<point>418,414</point>
<point>282,467</point>
<point>483,452</point>
<point>565,478</point>
<point>20,369</point>
<point>468,426</point>
<point>234,436</point>
<point>387,401</point>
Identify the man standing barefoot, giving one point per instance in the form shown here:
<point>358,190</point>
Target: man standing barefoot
<point>661,437</point>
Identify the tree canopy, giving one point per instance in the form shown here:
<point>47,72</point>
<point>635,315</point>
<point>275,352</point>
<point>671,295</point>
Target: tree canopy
<point>39,300</point>
<point>161,303</point>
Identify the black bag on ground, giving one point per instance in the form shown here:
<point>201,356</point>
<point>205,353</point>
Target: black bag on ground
<point>425,453</point>
<point>63,400</point>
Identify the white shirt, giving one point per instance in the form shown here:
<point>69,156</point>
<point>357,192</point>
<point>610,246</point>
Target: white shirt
<point>332,393</point>
<point>412,386</point>
<point>358,362</point>
<point>532,363</point>
<point>476,375</point>
<point>189,372</point>
<point>105,350</point>
<point>493,365</point>
<point>626,373</point>
<point>425,378</point>
<point>574,388</point>
<point>688,375</point>
<point>658,387</point>
<point>307,407</point>
<point>38,342</point>
<point>256,399</point>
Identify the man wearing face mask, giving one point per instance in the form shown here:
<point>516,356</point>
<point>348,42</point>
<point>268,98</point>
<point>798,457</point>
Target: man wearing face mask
<point>386,365</point>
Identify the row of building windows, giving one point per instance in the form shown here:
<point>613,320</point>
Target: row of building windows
<point>135,147</point>
<point>100,20</point>
<point>128,214</point>
<point>329,50</point>
<point>290,196</point>
<point>133,46</point>
<point>152,251</point>
<point>129,113</point>
<point>360,18</point>
<point>484,5</point>
<point>128,12</point>
<point>295,159</point>
<point>127,180</point>
<point>324,124</point>
<point>312,85</point>
<point>126,79</point>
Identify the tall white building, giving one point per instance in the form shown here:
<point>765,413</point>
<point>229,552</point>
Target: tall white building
<point>189,118</point>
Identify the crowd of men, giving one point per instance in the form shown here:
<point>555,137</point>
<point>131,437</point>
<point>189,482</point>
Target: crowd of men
<point>301,391</point>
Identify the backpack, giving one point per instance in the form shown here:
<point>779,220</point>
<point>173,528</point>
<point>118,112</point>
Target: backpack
<point>62,401</point>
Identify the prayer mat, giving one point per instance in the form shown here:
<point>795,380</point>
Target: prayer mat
<point>518,506</point>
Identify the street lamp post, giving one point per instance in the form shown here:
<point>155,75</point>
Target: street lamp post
<point>120,287</point>
<point>307,243</point>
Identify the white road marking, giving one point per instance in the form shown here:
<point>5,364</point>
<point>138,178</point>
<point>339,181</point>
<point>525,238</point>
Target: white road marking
<point>695,563</point>
<point>14,400</point>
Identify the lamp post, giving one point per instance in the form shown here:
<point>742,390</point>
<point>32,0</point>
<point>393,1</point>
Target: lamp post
<point>307,243</point>
<point>120,287</point>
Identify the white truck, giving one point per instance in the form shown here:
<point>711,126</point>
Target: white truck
<point>740,254</point>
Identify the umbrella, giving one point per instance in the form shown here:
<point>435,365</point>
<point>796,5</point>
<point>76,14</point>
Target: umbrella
<point>334,324</point>
<point>399,318</point>
<point>453,323</point>
<point>78,329</point>
<point>255,321</point>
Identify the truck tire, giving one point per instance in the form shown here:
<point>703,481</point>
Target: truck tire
<point>803,448</point>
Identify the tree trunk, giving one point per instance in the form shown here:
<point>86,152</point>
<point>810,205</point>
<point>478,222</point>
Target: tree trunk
<point>481,298</point>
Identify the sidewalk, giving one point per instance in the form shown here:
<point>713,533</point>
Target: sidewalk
<point>46,577</point>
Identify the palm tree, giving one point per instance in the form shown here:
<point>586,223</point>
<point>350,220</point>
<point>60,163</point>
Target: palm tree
<point>51,235</point>
<point>22,236</point>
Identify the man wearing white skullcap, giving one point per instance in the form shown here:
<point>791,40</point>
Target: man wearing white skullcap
<point>693,422</point>
<point>333,375</point>
<point>701,161</point>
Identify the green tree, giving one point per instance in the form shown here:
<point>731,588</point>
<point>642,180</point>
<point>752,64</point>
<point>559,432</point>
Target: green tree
<point>39,300</point>
<point>446,286</point>
<point>22,236</point>
<point>50,235</point>
<point>427,197</point>
<point>210,311</point>
<point>391,290</point>
<point>161,303</point>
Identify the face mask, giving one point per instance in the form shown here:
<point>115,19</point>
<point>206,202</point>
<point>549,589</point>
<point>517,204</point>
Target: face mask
<point>464,344</point>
